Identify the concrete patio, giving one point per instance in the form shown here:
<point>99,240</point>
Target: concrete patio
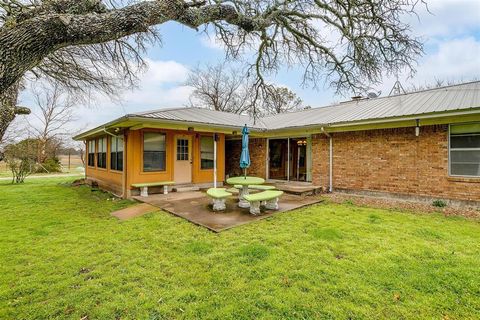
<point>196,207</point>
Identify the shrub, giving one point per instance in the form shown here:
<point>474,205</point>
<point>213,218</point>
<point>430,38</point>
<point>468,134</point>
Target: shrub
<point>50,165</point>
<point>439,203</point>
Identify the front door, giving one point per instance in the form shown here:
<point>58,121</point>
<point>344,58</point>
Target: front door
<point>183,159</point>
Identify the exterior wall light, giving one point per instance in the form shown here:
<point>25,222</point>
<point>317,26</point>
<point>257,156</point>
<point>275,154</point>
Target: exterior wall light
<point>417,128</point>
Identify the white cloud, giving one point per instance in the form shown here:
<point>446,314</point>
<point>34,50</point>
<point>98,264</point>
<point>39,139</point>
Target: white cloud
<point>447,18</point>
<point>454,60</point>
<point>161,86</point>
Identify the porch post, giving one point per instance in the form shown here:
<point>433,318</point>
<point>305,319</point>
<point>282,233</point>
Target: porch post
<point>214,160</point>
<point>288,159</point>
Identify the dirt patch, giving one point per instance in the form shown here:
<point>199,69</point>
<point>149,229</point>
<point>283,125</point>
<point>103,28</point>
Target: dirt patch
<point>403,205</point>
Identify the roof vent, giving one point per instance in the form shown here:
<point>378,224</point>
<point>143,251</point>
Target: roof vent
<point>357,98</point>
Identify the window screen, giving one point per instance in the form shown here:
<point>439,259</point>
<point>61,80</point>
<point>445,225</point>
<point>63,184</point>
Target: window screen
<point>465,150</point>
<point>102,153</point>
<point>91,153</point>
<point>206,152</point>
<point>154,156</point>
<point>116,154</point>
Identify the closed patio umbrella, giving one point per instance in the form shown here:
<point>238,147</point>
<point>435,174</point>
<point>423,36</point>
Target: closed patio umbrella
<point>245,156</point>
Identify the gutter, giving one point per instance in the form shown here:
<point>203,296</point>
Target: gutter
<point>330,160</point>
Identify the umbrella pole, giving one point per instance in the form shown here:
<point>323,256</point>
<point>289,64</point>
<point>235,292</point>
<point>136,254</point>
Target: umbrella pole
<point>215,162</point>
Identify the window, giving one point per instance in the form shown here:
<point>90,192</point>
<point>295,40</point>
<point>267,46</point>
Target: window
<point>465,150</point>
<point>116,154</point>
<point>91,153</point>
<point>154,157</point>
<point>206,152</point>
<point>182,149</point>
<point>102,153</point>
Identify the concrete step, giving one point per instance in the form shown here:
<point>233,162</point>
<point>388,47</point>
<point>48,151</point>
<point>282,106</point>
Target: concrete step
<point>301,190</point>
<point>185,188</point>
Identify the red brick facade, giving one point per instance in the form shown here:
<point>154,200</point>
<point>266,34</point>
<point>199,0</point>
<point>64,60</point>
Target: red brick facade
<point>386,160</point>
<point>258,154</point>
<point>392,160</point>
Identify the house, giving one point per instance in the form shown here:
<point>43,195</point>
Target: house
<point>421,144</point>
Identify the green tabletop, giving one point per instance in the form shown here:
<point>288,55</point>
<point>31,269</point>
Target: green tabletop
<point>245,180</point>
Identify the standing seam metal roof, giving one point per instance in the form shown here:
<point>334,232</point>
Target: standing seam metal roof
<point>451,98</point>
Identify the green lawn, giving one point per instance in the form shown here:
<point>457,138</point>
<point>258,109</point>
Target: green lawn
<point>63,256</point>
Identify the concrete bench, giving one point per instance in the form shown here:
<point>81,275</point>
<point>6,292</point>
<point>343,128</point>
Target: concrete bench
<point>218,196</point>
<point>144,186</point>
<point>270,196</point>
<point>262,187</point>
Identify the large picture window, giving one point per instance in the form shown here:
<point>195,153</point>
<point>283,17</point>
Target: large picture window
<point>116,154</point>
<point>206,152</point>
<point>102,153</point>
<point>154,156</point>
<point>91,153</point>
<point>465,150</point>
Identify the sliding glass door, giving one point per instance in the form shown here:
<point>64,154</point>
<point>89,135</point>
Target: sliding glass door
<point>289,159</point>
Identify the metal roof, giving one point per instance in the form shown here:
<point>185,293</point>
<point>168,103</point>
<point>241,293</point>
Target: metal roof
<point>461,97</point>
<point>456,97</point>
<point>203,116</point>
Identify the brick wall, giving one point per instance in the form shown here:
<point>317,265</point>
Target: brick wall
<point>258,150</point>
<point>392,160</point>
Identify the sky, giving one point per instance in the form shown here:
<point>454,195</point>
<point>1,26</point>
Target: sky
<point>450,32</point>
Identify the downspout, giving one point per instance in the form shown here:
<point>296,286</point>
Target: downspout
<point>123,159</point>
<point>85,161</point>
<point>330,165</point>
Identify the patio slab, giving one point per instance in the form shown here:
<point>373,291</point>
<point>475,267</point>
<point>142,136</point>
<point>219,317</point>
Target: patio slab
<point>196,208</point>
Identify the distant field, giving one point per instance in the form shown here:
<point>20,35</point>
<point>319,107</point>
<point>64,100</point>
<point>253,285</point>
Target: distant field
<point>75,165</point>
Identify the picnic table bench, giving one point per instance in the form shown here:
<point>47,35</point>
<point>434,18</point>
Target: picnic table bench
<point>144,186</point>
<point>218,196</point>
<point>270,196</point>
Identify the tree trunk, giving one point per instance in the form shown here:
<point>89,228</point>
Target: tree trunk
<point>9,108</point>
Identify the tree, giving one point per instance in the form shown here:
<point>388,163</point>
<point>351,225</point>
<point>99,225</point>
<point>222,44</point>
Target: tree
<point>281,100</point>
<point>20,158</point>
<point>55,111</point>
<point>64,39</point>
<point>220,88</point>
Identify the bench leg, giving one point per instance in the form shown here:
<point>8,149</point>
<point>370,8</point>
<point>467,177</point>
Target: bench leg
<point>255,207</point>
<point>272,204</point>
<point>219,204</point>
<point>165,189</point>
<point>144,192</point>
<point>242,203</point>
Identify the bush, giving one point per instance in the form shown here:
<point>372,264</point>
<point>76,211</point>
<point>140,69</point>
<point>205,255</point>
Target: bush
<point>439,203</point>
<point>51,165</point>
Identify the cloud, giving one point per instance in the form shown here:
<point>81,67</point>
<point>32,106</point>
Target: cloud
<point>447,18</point>
<point>161,86</point>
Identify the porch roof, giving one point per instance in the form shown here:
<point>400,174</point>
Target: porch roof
<point>432,103</point>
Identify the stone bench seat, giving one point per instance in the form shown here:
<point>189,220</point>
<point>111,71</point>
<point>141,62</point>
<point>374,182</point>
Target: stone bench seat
<point>270,196</point>
<point>218,196</point>
<point>144,186</point>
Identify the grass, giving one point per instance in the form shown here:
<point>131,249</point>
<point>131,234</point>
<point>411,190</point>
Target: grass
<point>63,256</point>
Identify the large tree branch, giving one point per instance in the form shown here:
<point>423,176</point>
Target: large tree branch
<point>26,44</point>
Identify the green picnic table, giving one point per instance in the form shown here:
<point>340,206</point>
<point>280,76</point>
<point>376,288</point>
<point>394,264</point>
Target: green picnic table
<point>244,182</point>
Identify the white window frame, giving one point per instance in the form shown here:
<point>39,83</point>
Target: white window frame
<point>457,149</point>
